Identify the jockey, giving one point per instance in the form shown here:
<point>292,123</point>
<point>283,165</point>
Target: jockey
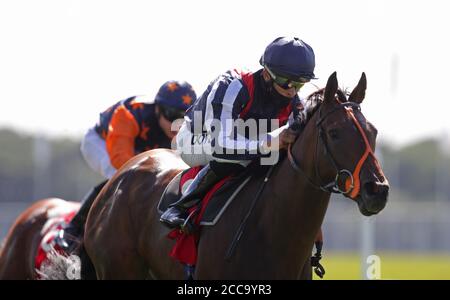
<point>207,136</point>
<point>127,128</point>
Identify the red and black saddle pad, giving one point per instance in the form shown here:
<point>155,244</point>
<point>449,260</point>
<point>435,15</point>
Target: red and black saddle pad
<point>215,201</point>
<point>209,210</point>
<point>49,233</point>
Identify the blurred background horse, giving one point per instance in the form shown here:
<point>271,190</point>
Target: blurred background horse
<point>19,250</point>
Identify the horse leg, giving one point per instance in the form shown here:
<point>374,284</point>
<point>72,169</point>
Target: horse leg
<point>306,272</point>
<point>114,258</point>
<point>110,243</point>
<point>18,251</point>
<point>128,266</point>
<point>16,263</point>
<point>87,267</point>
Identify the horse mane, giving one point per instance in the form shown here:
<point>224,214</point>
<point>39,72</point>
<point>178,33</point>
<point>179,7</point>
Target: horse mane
<point>315,99</point>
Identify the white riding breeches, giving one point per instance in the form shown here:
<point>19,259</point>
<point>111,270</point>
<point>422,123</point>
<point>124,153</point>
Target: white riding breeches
<point>93,148</point>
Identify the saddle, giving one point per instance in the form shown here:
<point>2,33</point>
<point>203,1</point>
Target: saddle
<point>215,201</point>
<point>207,212</point>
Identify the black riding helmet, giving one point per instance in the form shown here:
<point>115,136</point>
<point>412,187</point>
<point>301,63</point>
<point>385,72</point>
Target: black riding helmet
<point>289,57</point>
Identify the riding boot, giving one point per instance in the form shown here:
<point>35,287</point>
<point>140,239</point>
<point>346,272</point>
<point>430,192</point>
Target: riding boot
<point>75,228</point>
<point>176,214</point>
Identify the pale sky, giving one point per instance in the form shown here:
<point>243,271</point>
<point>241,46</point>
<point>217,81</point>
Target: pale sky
<point>62,62</point>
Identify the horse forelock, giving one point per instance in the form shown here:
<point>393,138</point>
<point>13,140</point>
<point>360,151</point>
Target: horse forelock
<point>315,99</point>
<point>342,95</point>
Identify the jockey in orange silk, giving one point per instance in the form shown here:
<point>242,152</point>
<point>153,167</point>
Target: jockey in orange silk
<point>127,128</point>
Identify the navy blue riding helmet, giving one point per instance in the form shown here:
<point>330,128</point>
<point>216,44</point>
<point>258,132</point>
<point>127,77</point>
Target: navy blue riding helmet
<point>174,98</point>
<point>175,94</point>
<point>292,58</point>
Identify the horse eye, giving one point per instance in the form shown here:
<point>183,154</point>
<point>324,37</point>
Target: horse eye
<point>333,133</point>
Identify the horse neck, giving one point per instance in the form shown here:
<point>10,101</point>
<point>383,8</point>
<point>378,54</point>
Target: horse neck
<point>299,206</point>
<point>305,153</point>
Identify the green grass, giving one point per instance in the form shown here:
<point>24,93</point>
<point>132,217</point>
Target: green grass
<point>393,265</point>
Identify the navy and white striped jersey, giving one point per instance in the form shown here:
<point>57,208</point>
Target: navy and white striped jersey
<point>242,96</point>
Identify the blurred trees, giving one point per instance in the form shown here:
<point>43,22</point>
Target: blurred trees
<point>418,171</point>
<point>66,175</point>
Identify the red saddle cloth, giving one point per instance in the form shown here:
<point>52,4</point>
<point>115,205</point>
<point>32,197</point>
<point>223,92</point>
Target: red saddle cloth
<point>49,233</point>
<point>185,248</point>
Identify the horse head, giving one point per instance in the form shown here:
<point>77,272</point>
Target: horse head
<point>344,143</point>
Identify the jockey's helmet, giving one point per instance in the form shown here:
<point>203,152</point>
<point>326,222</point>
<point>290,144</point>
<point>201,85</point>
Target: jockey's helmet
<point>291,58</point>
<point>176,95</point>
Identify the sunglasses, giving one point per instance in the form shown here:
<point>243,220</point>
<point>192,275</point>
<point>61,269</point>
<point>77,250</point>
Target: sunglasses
<point>287,83</point>
<point>171,114</point>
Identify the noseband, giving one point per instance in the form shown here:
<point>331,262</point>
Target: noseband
<point>352,182</point>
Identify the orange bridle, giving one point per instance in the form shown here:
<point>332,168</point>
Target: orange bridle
<point>352,183</point>
<point>356,186</point>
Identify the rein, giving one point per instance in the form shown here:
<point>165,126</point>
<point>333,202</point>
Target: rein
<point>240,231</point>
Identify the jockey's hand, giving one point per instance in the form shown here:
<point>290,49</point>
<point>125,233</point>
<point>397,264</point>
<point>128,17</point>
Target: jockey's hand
<point>287,136</point>
<point>281,141</point>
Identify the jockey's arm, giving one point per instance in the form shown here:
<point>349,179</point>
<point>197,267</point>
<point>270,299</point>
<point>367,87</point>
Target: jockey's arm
<point>280,138</point>
<point>272,141</point>
<point>227,111</point>
<point>122,132</point>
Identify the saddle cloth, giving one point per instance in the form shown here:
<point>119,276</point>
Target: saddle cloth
<point>216,200</point>
<point>210,209</point>
<point>49,233</point>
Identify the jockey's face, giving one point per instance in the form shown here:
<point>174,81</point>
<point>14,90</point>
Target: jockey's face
<point>288,93</point>
<point>285,92</point>
<point>165,125</point>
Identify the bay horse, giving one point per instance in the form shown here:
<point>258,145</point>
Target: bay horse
<point>19,248</point>
<point>125,240</point>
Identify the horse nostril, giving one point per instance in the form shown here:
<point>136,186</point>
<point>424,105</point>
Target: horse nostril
<point>377,189</point>
<point>375,195</point>
<point>370,188</point>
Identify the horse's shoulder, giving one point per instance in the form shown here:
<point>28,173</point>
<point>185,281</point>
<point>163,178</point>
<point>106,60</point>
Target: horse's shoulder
<point>156,160</point>
<point>142,175</point>
<point>168,160</point>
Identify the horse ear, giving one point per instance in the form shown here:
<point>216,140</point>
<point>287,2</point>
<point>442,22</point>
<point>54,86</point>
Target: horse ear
<point>359,92</point>
<point>331,87</point>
